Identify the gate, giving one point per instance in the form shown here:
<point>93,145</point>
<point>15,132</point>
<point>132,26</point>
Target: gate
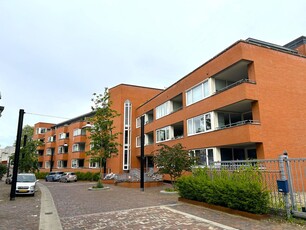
<point>284,178</point>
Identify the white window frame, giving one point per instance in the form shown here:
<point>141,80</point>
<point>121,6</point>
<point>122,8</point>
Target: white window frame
<point>163,109</point>
<point>79,132</point>
<point>41,130</point>
<point>76,148</point>
<point>75,163</point>
<point>205,91</point>
<point>61,149</point>
<point>138,122</point>
<point>168,132</point>
<point>138,141</point>
<point>48,152</point>
<point>207,152</point>
<point>94,165</point>
<point>62,136</point>
<point>47,164</point>
<point>203,127</point>
<point>60,164</point>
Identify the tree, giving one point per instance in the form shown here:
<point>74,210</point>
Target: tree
<point>28,158</point>
<point>103,140</point>
<point>173,161</point>
<point>3,169</point>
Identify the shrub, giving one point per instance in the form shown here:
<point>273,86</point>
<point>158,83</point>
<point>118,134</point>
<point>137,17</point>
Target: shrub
<point>41,175</point>
<point>3,169</point>
<point>241,190</point>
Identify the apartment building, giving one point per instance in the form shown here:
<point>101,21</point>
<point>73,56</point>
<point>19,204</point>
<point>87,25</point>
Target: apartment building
<point>65,144</point>
<point>247,102</point>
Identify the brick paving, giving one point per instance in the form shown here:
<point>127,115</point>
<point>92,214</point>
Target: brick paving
<point>120,208</point>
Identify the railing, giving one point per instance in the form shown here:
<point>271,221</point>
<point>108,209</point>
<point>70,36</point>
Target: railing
<point>234,84</point>
<point>244,122</point>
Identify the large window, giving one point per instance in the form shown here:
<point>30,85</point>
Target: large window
<point>63,135</point>
<point>200,124</point>
<point>203,156</point>
<point>198,93</point>
<point>79,147</point>
<point>78,132</point>
<point>94,165</point>
<point>77,163</point>
<point>163,109</point>
<point>163,134</point>
<point>41,130</point>
<point>61,164</point>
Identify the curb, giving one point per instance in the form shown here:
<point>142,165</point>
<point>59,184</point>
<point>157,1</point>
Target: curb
<point>225,209</point>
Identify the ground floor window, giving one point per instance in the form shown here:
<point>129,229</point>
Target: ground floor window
<point>94,165</point>
<point>229,154</point>
<point>77,163</point>
<point>203,156</point>
<point>61,164</point>
<point>47,164</point>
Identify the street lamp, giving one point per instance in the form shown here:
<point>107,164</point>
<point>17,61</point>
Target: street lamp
<point>1,109</point>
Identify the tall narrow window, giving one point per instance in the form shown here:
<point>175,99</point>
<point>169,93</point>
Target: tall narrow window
<point>127,135</point>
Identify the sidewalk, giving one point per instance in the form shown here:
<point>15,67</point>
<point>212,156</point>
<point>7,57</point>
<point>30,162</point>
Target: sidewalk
<point>115,208</point>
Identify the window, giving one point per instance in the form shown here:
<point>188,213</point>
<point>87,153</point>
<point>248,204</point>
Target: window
<point>203,156</point>
<point>49,152</point>
<point>51,139</point>
<point>94,165</point>
<point>77,163</point>
<point>138,141</point>
<point>198,93</point>
<point>61,164</point>
<point>66,135</point>
<point>163,109</point>
<point>127,134</point>
<point>47,164</point>
<point>138,122</point>
<point>199,124</point>
<point>79,132</point>
<point>163,134</point>
<point>40,164</point>
<point>79,147</point>
<point>41,130</point>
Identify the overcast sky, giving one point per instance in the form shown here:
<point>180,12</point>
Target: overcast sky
<point>55,54</point>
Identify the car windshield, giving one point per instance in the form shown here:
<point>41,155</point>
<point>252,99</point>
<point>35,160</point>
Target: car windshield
<point>26,178</point>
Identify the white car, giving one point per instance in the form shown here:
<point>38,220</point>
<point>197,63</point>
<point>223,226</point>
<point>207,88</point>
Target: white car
<point>68,177</point>
<point>26,183</point>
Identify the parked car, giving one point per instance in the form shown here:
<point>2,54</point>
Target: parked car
<point>68,177</point>
<point>54,176</point>
<point>26,183</point>
<point>8,180</point>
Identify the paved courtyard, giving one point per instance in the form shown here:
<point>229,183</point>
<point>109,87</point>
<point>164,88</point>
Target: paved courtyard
<point>118,208</point>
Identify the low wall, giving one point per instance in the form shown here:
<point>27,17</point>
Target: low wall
<point>137,184</point>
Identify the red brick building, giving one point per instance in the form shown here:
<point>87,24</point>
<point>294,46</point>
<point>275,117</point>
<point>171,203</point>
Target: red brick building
<point>246,102</point>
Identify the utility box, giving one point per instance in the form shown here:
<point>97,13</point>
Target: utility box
<point>282,186</point>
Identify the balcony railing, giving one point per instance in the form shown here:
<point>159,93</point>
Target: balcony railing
<point>234,84</point>
<point>244,122</point>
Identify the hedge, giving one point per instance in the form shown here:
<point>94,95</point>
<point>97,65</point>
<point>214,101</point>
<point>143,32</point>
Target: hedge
<point>242,190</point>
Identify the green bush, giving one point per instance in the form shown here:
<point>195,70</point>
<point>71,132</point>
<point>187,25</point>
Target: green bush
<point>241,190</point>
<point>41,175</point>
<point>3,170</point>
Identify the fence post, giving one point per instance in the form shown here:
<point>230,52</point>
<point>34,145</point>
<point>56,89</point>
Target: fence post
<point>283,177</point>
<point>290,179</point>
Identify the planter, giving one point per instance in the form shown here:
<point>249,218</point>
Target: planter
<point>168,192</point>
<point>225,209</point>
<point>136,184</point>
<point>97,189</point>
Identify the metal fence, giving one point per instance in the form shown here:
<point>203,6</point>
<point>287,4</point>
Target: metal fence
<point>284,178</point>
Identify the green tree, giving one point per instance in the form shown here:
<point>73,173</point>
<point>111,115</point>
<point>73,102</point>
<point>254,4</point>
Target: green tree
<point>3,169</point>
<point>103,139</point>
<point>173,161</point>
<point>28,158</point>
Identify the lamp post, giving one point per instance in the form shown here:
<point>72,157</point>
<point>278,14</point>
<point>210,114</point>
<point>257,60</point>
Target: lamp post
<point>142,158</point>
<point>17,152</point>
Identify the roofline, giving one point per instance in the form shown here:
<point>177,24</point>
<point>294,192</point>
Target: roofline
<point>90,114</point>
<point>296,42</point>
<point>249,41</point>
<point>138,86</point>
